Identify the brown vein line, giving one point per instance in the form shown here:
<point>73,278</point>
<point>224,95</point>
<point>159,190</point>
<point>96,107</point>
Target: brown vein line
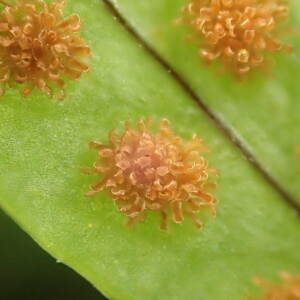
<point>228,133</point>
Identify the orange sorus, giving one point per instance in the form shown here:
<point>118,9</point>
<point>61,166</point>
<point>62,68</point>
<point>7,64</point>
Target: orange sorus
<point>159,172</point>
<point>239,33</point>
<point>288,289</point>
<point>39,46</point>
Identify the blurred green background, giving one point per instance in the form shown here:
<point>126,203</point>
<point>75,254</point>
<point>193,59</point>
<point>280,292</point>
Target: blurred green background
<point>28,272</point>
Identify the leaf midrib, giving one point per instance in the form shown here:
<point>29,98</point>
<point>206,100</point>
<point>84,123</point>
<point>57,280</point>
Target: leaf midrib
<point>219,123</point>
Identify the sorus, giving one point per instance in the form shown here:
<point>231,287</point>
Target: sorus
<point>159,172</point>
<point>239,33</point>
<point>288,289</point>
<point>39,47</point>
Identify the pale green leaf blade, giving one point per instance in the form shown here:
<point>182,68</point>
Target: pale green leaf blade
<point>44,144</point>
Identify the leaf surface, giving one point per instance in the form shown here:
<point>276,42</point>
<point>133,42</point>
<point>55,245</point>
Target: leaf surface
<point>44,144</point>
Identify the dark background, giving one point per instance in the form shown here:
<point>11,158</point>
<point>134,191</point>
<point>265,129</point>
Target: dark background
<point>28,273</point>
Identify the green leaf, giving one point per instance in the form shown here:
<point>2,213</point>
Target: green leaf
<point>44,144</point>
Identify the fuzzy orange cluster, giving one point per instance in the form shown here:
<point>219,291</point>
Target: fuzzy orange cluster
<point>154,171</point>
<point>39,47</point>
<point>238,32</point>
<point>289,289</point>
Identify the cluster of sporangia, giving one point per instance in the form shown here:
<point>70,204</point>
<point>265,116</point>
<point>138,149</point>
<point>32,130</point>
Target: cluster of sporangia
<point>238,32</point>
<point>39,47</point>
<point>289,289</point>
<point>154,171</point>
